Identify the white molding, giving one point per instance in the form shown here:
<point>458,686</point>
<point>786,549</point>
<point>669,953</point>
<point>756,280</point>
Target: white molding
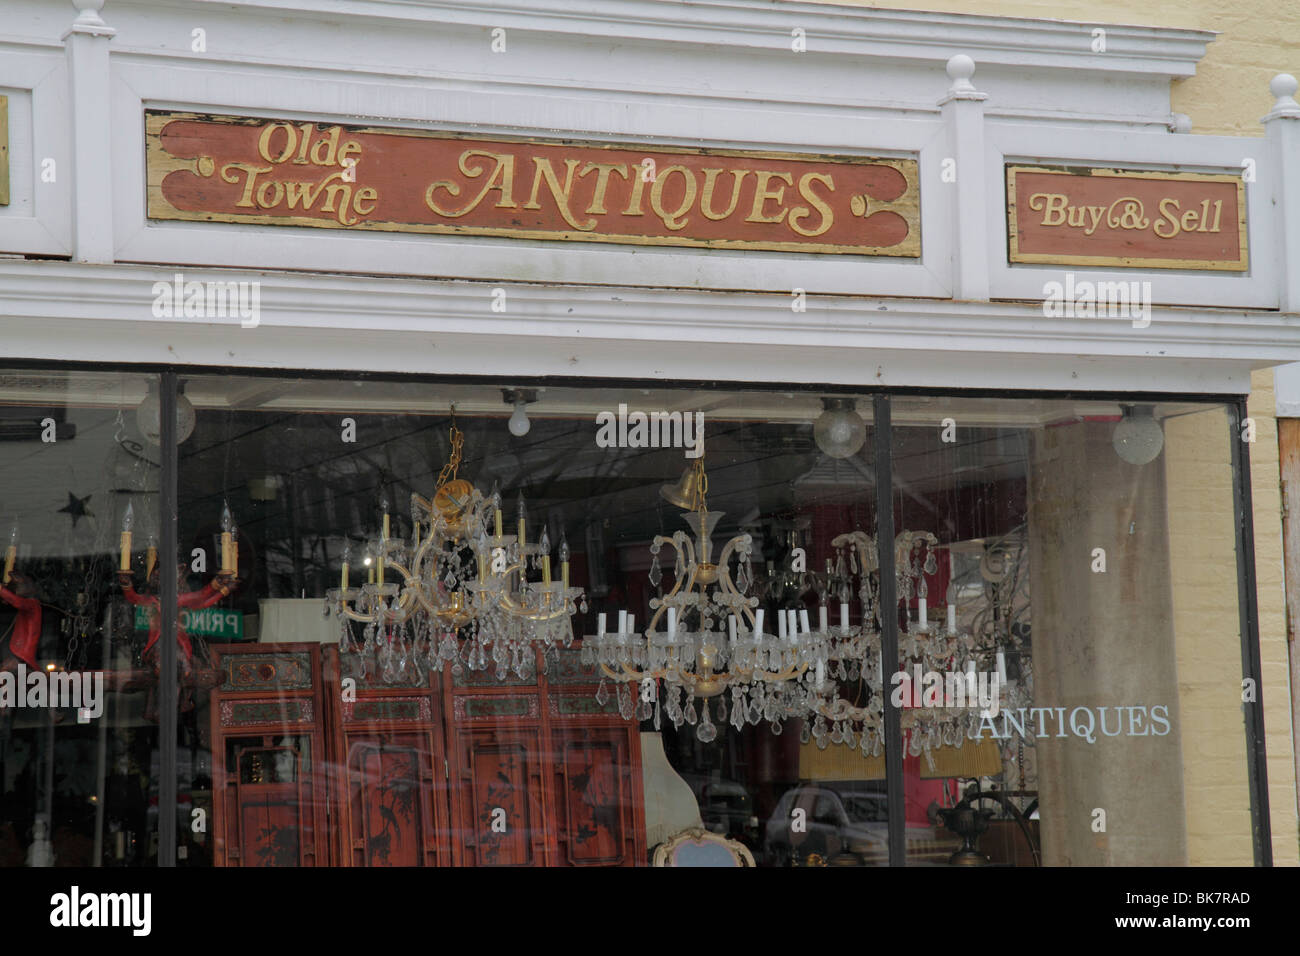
<point>1017,142</point>
<point>829,28</point>
<point>82,312</point>
<point>37,86</point>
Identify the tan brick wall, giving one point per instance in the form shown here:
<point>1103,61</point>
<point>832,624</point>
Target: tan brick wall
<point>1227,96</point>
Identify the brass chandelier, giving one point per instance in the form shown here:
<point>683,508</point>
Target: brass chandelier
<point>713,638</point>
<point>463,593</point>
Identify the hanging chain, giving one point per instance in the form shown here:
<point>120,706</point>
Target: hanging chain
<point>449,470</point>
<point>701,487</point>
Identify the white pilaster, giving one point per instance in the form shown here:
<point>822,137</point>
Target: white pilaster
<point>963,112</point>
<point>86,47</point>
<point>1282,131</point>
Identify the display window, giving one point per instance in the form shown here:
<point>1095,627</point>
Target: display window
<point>492,623</point>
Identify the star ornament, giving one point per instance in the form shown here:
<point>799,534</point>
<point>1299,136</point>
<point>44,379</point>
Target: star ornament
<point>77,508</point>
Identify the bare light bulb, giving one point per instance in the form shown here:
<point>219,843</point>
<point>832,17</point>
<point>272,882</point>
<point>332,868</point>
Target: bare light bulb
<point>519,423</point>
<point>1138,439</point>
<point>839,431</point>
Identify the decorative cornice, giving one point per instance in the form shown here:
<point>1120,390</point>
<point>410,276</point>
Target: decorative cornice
<point>448,327</point>
<point>828,29</point>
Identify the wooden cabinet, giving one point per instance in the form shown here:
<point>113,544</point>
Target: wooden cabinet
<point>268,790</point>
<point>468,771</point>
<point>388,773</point>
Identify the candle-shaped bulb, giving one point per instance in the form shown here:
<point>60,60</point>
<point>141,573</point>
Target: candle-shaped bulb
<point>226,520</point>
<point>128,519</point>
<point>383,503</point>
<point>544,543</point>
<point>521,517</point>
<point>564,547</point>
<point>495,496</point>
<point>369,558</point>
<point>13,536</point>
<point>234,548</point>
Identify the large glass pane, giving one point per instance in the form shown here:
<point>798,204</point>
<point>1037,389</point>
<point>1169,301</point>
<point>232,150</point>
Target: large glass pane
<point>79,740</point>
<point>1084,564</point>
<point>469,722</point>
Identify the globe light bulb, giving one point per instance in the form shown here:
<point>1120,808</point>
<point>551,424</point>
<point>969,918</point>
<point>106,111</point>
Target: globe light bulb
<point>519,423</point>
<point>839,431</point>
<point>148,416</point>
<point>1138,439</point>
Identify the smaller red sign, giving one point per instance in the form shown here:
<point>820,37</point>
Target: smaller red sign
<point>1109,217</point>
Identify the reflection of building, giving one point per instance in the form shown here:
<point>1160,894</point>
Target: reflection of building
<point>888,258</point>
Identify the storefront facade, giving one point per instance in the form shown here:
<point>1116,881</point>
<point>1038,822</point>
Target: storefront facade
<point>963,284</point>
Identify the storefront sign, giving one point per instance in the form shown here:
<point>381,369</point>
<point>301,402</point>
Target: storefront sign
<point>232,169</point>
<point>1108,217</point>
<point>202,622</point>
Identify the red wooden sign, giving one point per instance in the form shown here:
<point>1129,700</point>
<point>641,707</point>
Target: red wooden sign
<point>232,169</point>
<point>1108,217</point>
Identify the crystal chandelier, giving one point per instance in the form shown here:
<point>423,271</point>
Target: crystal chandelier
<point>463,596</point>
<point>713,638</point>
<point>949,653</point>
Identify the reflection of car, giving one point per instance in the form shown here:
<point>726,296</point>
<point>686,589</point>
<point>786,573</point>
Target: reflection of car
<point>726,807</point>
<point>819,820</point>
<point>831,822</point>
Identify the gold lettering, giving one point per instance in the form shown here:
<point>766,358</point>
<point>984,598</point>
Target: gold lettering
<point>634,201</point>
<point>261,194</point>
<point>348,150</point>
<point>1168,213</point>
<point>706,197</point>
<point>502,180</point>
<point>365,194</point>
<point>308,193</point>
<point>1050,203</point>
<point>330,144</point>
<point>330,193</point>
<point>561,195</point>
<point>1218,208</point>
<point>301,158</point>
<point>762,195</point>
<point>245,200</point>
<point>1096,212</point>
<point>597,206</point>
<point>673,220</point>
<point>1071,216</point>
<point>264,142</point>
<point>823,208</point>
<point>1189,221</point>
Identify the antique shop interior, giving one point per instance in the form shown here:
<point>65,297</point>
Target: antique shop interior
<point>461,622</point>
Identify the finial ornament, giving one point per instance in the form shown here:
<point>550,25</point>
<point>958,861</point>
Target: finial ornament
<point>960,69</point>
<point>1283,87</point>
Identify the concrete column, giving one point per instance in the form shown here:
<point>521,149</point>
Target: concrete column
<point>1103,639</point>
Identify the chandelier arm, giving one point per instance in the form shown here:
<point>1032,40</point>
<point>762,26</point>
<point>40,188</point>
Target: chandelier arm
<point>690,584</point>
<point>371,618</point>
<point>727,586</point>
